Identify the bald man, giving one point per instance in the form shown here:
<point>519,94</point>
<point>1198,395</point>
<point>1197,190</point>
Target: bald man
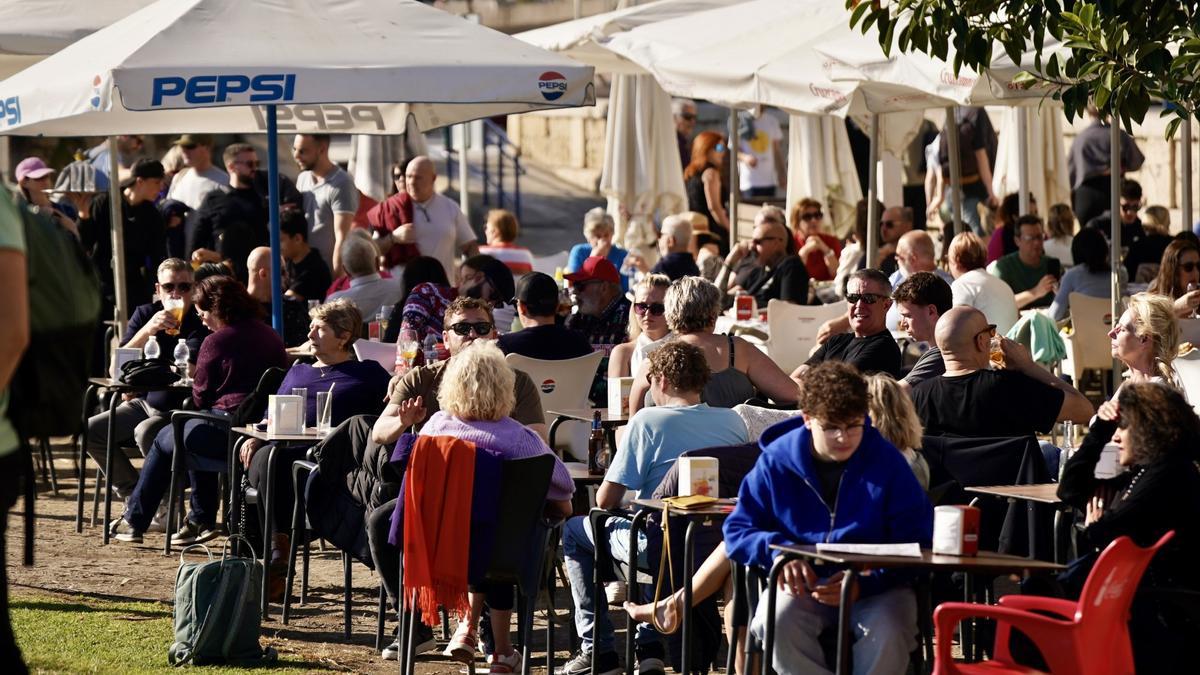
<point>970,399</point>
<point>438,226</point>
<point>914,253</point>
<point>295,312</point>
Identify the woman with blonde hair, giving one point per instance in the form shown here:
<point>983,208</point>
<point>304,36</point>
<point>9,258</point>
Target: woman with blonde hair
<point>647,326</point>
<point>599,228</point>
<point>1146,339</point>
<point>1060,230</point>
<point>476,397</point>
<point>893,414</point>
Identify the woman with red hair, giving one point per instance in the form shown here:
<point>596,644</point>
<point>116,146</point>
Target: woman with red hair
<point>702,178</point>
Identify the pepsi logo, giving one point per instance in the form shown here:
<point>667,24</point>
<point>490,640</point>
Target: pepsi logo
<point>548,386</point>
<point>552,85</point>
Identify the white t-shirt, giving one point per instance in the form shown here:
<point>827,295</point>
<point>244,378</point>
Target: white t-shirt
<point>762,146</point>
<point>989,295</point>
<point>190,186</point>
<point>442,230</point>
<point>323,199</point>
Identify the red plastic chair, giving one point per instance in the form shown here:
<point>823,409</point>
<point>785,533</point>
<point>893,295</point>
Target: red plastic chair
<point>1089,637</point>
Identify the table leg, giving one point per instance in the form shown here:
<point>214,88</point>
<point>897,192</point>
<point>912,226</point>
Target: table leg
<point>844,610</point>
<point>110,442</point>
<point>689,555</point>
<point>632,593</point>
<point>268,526</point>
<point>554,429</point>
<point>772,589</point>
<point>87,399</point>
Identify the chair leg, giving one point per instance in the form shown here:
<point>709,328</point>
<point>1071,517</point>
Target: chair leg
<point>526,632</point>
<point>96,497</point>
<point>380,617</point>
<point>550,617</point>
<point>293,547</point>
<point>445,624</point>
<point>48,466</point>
<point>304,573</point>
<point>171,494</point>
<point>346,576</point>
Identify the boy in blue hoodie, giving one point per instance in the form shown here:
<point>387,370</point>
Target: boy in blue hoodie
<point>829,476</point>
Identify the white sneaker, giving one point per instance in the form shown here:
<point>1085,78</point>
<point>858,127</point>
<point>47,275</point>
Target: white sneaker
<point>159,522</point>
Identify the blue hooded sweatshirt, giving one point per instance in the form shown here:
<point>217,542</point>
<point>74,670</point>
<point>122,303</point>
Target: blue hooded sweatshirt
<point>879,501</point>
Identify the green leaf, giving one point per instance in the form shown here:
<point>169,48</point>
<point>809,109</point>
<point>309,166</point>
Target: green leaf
<point>1102,94</point>
<point>858,12</point>
<point>1172,127</point>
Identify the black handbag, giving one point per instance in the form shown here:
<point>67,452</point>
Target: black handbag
<point>148,372</point>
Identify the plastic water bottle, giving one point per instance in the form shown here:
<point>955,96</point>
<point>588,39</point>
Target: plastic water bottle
<point>430,349</point>
<point>151,350</point>
<point>181,355</point>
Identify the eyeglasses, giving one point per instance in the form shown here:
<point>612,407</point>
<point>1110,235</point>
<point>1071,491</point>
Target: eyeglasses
<point>1130,208</point>
<point>888,223</point>
<point>832,432</point>
<point>990,330</point>
<point>865,298</point>
<point>759,241</point>
<point>187,146</point>
<point>812,215</point>
<point>464,328</point>
<point>691,117</point>
<point>182,286</point>
<point>720,147</point>
<point>1189,266</point>
<point>654,308</point>
<point>1032,237</point>
<point>251,163</point>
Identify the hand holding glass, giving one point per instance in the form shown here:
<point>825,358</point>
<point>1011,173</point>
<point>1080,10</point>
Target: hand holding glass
<point>175,307</point>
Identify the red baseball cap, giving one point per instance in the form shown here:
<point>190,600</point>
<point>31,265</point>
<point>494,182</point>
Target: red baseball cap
<point>595,268</point>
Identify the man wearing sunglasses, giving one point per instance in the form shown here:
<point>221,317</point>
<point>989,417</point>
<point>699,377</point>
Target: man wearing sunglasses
<point>972,400</point>
<point>772,271</point>
<point>466,320</point>
<point>139,419</point>
<point>230,222</point>
<point>870,347</point>
<point>1032,275</point>
<point>199,177</point>
<point>1130,204</point>
<point>685,125</point>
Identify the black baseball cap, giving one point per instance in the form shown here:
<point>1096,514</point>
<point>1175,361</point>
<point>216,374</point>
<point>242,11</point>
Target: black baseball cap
<point>497,273</point>
<point>145,168</point>
<point>539,293</point>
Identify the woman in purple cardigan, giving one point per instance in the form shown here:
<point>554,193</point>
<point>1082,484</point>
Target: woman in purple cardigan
<point>230,364</point>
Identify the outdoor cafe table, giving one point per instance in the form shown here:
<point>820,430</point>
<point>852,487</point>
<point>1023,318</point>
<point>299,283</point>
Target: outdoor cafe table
<point>116,388</point>
<point>705,516</point>
<point>607,422</point>
<point>275,441</point>
<point>928,561</point>
<point>1040,493</point>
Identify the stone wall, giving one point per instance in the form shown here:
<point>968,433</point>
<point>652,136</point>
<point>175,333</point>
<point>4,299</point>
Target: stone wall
<point>569,142</point>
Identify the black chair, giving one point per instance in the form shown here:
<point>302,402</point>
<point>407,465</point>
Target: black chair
<point>522,537</point>
<point>250,411</point>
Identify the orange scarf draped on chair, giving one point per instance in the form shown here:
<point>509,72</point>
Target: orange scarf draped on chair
<point>437,525</point>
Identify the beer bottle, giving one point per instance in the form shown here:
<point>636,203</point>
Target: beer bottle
<point>595,446</point>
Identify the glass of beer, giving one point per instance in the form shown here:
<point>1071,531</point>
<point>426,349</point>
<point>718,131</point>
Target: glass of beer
<point>175,307</point>
<point>996,353</point>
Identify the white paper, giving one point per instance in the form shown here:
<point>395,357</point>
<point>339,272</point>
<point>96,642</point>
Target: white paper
<point>121,356</point>
<point>912,550</point>
<point>1109,465</point>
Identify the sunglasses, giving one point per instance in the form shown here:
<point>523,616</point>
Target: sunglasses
<point>187,146</point>
<point>1189,267</point>
<point>720,147</point>
<point>812,215</point>
<point>865,298</point>
<point>252,163</point>
<point>653,308</point>
<point>182,287</point>
<point>990,330</point>
<point>464,328</point>
<point>1130,208</point>
<point>762,240</point>
<point>691,117</point>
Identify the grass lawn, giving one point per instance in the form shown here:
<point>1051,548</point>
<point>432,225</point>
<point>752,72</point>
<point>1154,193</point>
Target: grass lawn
<point>58,634</point>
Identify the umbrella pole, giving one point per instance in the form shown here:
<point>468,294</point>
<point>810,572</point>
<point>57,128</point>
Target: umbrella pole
<point>1186,174</point>
<point>1023,160</point>
<point>1114,241</point>
<point>872,242</point>
<point>464,170</point>
<point>273,210</point>
<point>732,153</point>
<point>956,215</point>
<point>115,204</point>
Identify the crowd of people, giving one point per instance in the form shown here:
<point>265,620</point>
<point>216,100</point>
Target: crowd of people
<point>839,461</point>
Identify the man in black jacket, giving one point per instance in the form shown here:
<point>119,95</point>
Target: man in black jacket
<point>774,271</point>
<point>230,223</point>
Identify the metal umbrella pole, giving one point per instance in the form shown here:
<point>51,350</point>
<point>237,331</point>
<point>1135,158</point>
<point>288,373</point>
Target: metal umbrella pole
<point>872,242</point>
<point>956,215</point>
<point>732,153</point>
<point>117,222</point>
<point>1023,159</point>
<point>1186,174</point>
<point>273,211</point>
<point>1114,241</point>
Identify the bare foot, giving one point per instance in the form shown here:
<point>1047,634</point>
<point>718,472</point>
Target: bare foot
<point>666,611</point>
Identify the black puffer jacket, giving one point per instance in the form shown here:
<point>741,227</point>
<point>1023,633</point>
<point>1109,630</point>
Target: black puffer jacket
<point>352,479</point>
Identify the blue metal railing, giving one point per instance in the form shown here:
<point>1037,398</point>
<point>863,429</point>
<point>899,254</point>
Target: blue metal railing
<point>505,153</point>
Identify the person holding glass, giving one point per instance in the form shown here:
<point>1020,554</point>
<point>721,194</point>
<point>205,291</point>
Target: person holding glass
<point>356,388</point>
<point>1179,277</point>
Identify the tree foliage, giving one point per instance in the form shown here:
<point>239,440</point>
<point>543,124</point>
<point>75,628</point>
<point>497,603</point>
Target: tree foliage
<point>1123,54</point>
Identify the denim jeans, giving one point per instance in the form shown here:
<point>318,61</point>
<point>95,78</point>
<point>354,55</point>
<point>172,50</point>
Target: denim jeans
<point>206,448</point>
<point>884,628</point>
<point>580,553</point>
<point>135,419</point>
<point>973,195</point>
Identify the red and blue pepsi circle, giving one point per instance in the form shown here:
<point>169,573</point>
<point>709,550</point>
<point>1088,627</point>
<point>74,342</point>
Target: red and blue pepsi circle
<point>552,85</point>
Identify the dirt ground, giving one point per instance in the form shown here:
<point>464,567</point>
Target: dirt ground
<point>79,564</point>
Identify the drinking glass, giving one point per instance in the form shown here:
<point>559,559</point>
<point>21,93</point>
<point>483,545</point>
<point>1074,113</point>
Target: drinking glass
<point>408,346</point>
<point>324,412</point>
<point>175,307</point>
<point>996,353</point>
<point>302,392</point>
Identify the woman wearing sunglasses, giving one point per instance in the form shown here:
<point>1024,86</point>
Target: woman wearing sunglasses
<point>647,326</point>
<point>817,248</point>
<point>1178,274</point>
<point>702,180</point>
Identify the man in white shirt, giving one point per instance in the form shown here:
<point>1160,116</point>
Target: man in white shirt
<point>975,287</point>
<point>199,177</point>
<point>439,228</point>
<point>759,155</point>
<point>330,198</point>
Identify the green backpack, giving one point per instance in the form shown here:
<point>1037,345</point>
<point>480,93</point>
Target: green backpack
<point>64,312</point>
<point>217,605</point>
